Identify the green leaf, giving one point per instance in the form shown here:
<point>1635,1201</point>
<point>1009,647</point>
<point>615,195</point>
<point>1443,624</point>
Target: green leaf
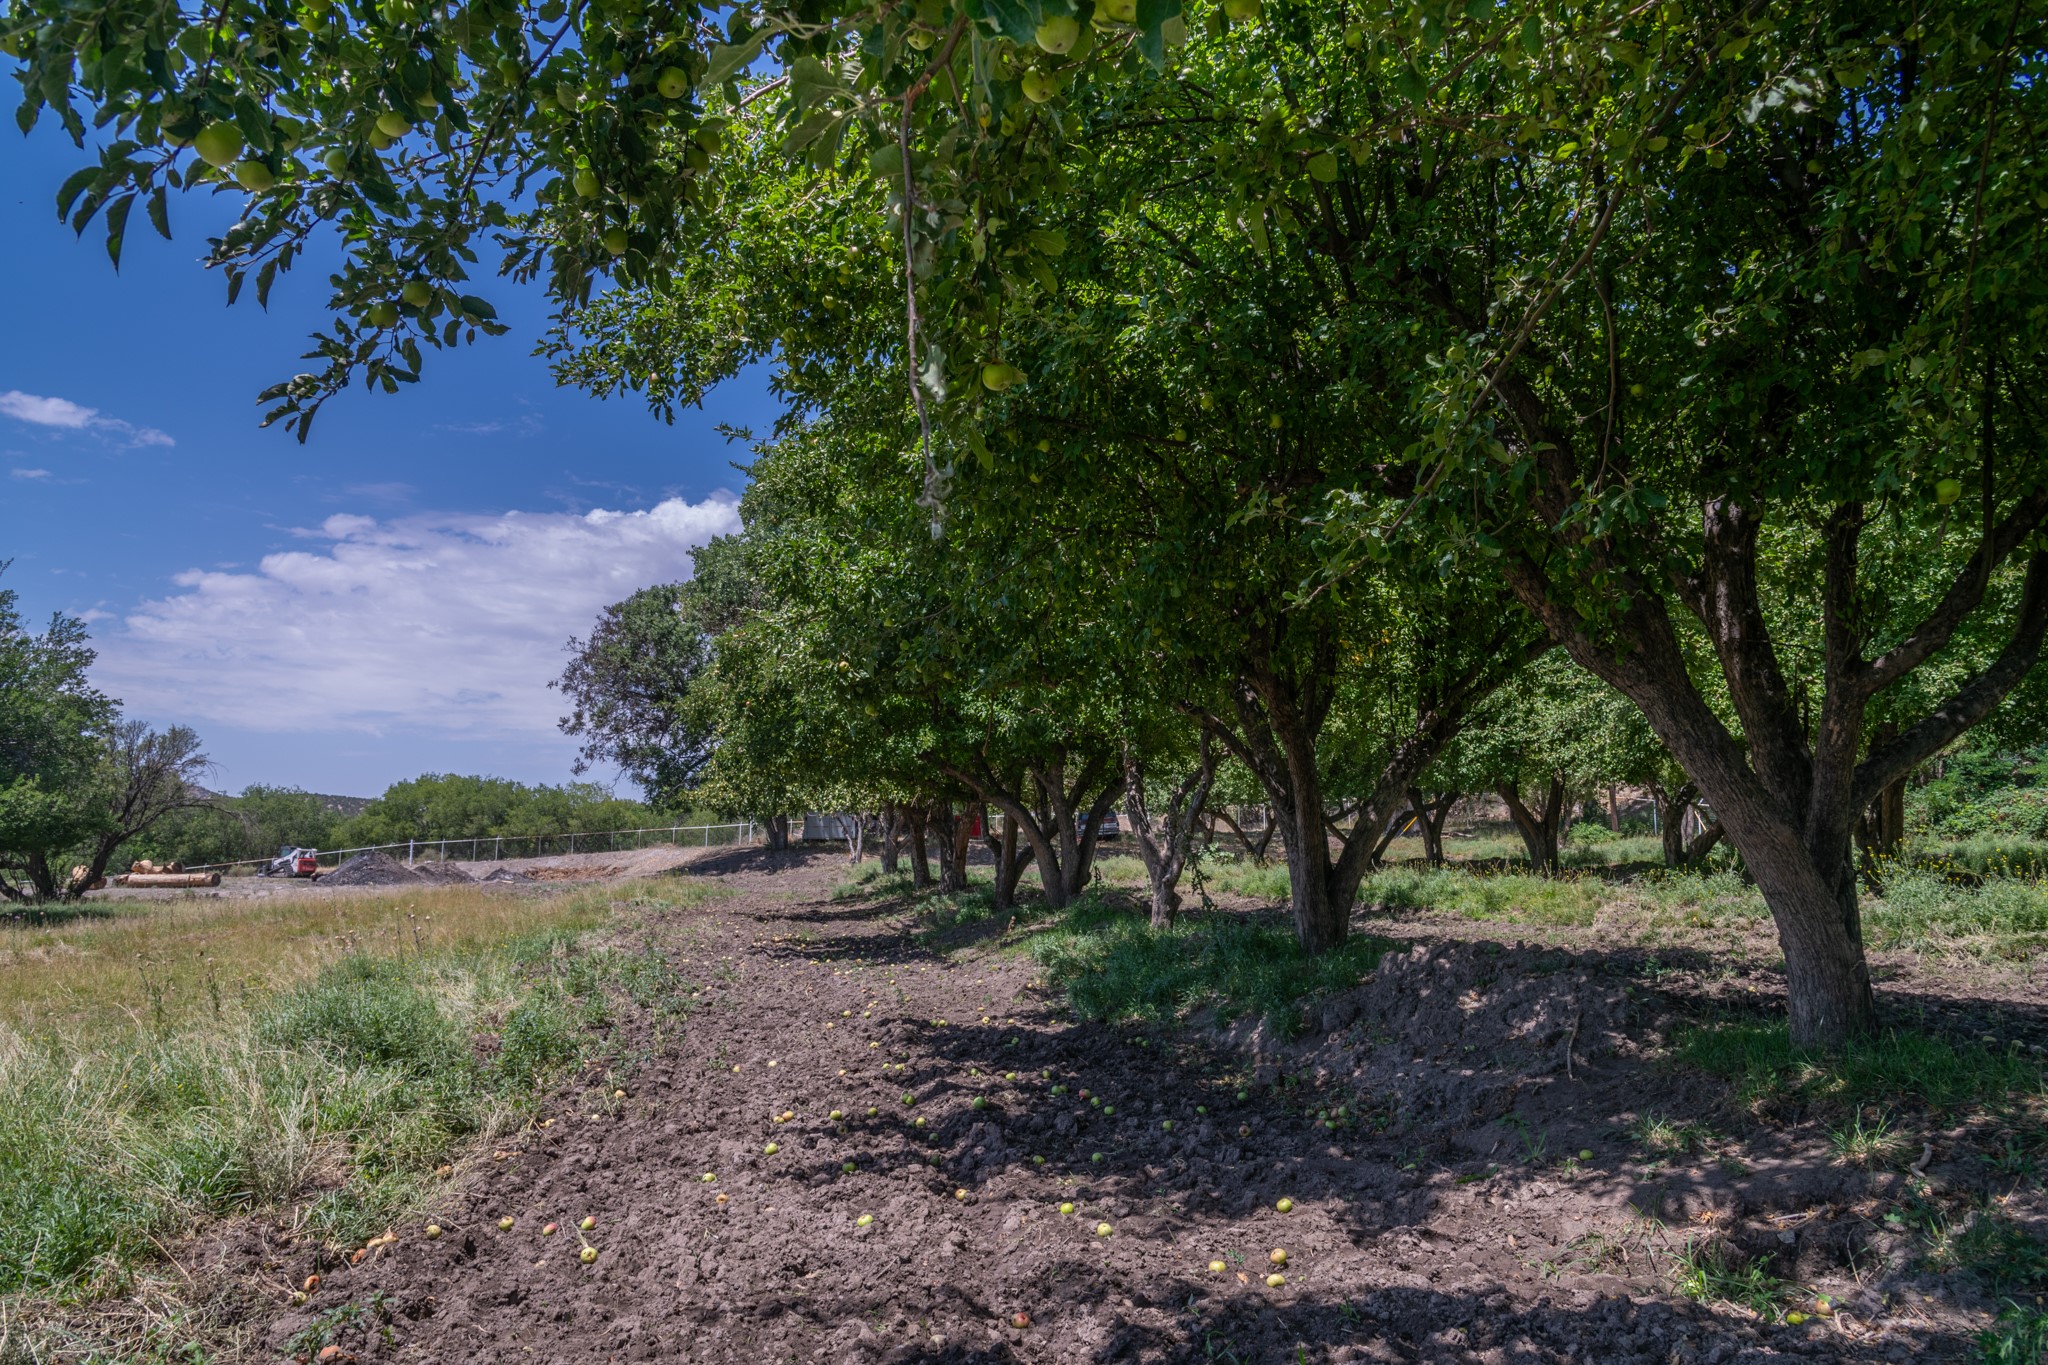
<point>73,187</point>
<point>160,212</point>
<point>726,60</point>
<point>1153,16</point>
<point>117,226</point>
<point>254,123</point>
<point>813,128</point>
<point>1017,20</point>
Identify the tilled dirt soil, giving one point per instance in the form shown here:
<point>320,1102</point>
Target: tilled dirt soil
<point>1449,1142</point>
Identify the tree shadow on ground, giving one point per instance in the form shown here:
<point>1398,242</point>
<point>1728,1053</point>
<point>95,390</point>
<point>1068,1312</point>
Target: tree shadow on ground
<point>1599,1178</point>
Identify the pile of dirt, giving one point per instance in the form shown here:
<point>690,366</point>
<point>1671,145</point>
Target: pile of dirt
<point>583,873</point>
<point>450,873</point>
<point>370,869</point>
<point>505,874</point>
<point>1460,1028</point>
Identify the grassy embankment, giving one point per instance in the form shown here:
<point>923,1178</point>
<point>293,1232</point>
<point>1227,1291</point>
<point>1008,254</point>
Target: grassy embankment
<point>169,1063</point>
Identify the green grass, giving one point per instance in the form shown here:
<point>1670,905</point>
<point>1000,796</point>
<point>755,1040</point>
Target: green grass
<point>337,1093</point>
<point>1113,966</point>
<point>1998,1251</point>
<point>1760,1058</point>
<point>2019,1337</point>
<point>1924,906</point>
<point>1711,1273</point>
<point>1668,1136</point>
<point>1514,897</point>
<point>869,882</point>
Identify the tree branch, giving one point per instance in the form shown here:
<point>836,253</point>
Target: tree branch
<point>1972,702</point>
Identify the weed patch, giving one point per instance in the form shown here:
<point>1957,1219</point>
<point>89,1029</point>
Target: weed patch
<point>1998,1251</point>
<point>1112,964</point>
<point>1512,897</point>
<point>2019,1337</point>
<point>1710,1272</point>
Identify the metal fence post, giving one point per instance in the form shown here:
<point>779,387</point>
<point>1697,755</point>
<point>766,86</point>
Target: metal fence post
<point>410,849</point>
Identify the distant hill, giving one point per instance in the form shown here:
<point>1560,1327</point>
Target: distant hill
<point>344,806</point>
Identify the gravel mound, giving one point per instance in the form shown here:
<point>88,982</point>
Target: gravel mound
<point>371,869</point>
<point>505,874</point>
<point>450,873</point>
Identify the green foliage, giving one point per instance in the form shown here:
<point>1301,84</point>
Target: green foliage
<point>1713,1272</point>
<point>1113,965</point>
<point>1879,1070</point>
<point>51,720</point>
<point>369,1011</point>
<point>632,683</point>
<point>446,806</point>
<point>235,828</point>
<point>1995,1249</point>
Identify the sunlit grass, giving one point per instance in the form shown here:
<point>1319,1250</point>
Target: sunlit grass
<point>1113,965</point>
<point>184,1060</point>
<point>161,961</point>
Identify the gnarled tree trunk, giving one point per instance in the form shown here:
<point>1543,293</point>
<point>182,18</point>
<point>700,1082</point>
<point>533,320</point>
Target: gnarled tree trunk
<point>1429,821</point>
<point>1011,860</point>
<point>1165,838</point>
<point>1538,827</point>
<point>1789,792</point>
<point>1061,825</point>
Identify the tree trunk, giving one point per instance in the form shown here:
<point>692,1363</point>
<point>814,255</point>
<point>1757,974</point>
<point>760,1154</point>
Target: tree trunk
<point>1053,827</point>
<point>892,837</point>
<point>1164,840</point>
<point>1010,861</point>
<point>1537,828</point>
<point>778,832</point>
<point>956,836</point>
<point>853,827</point>
<point>43,881</point>
<point>1429,821</point>
<point>920,859</point>
<point>1613,810</point>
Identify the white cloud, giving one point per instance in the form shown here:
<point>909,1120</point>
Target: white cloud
<point>30,473</point>
<point>64,415</point>
<point>444,624</point>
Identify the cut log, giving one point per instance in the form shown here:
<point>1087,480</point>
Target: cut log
<point>171,879</point>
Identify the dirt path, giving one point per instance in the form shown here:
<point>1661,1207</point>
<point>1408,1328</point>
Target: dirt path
<point>1401,1247</point>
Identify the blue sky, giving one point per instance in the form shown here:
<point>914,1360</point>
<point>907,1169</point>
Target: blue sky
<point>391,597</point>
